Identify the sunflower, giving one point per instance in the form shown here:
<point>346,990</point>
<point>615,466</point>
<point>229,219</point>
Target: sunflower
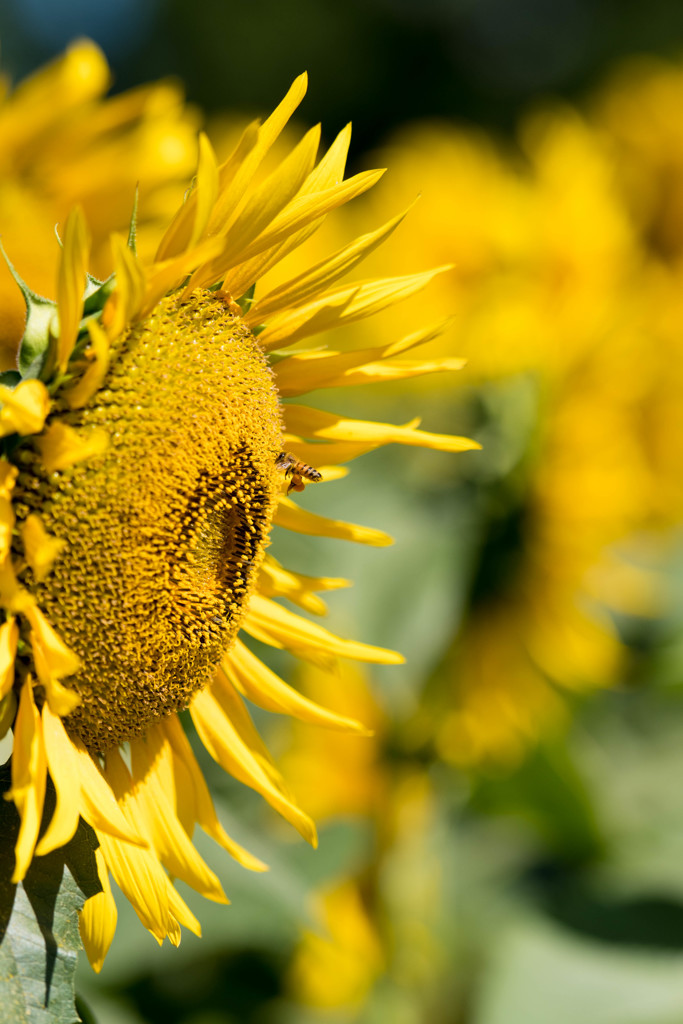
<point>147,451</point>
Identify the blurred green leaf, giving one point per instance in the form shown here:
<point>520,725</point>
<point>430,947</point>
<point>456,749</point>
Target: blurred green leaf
<point>540,975</point>
<point>548,791</point>
<point>630,752</point>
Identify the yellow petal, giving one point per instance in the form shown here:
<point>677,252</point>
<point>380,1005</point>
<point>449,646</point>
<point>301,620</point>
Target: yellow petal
<point>311,283</point>
<point>97,920</point>
<point>191,220</point>
<point>320,368</point>
<point>329,171</point>
<point>127,298</point>
<point>239,279</point>
<point>62,763</point>
<point>333,452</point>
<point>378,373</point>
<point>343,306</point>
<point>8,476</point>
<point>270,198</point>
<point>166,276</point>
<point>60,659</point>
<point>315,423</point>
<point>40,548</point>
<point>80,75</point>
<point>206,190</point>
<point>167,836</point>
<point>8,710</point>
<point>223,742</point>
<point>71,281</point>
<point>238,171</point>
<point>275,581</point>
<point>80,393</point>
<point>14,598</point>
<point>6,529</point>
<point>142,881</point>
<point>29,768</point>
<point>274,625</point>
<point>203,810</point>
<point>236,712</point>
<point>9,634</point>
<point>98,802</point>
<point>234,177</point>
<point>136,871</point>
<point>322,314</point>
<point>180,913</point>
<point>262,687</point>
<point>292,517</point>
<point>304,208</point>
<point>61,446</point>
<point>61,699</point>
<point>297,214</point>
<point>24,408</point>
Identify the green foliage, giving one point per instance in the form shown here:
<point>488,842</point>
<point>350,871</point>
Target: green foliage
<point>547,791</point>
<point>39,939</point>
<point>539,975</point>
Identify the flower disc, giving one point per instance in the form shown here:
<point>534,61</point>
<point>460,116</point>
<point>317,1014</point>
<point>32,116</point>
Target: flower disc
<point>164,532</point>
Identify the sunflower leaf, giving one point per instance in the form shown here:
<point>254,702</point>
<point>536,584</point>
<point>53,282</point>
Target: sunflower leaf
<point>39,940</point>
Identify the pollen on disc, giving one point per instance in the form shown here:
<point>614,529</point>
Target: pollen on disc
<point>165,532</point>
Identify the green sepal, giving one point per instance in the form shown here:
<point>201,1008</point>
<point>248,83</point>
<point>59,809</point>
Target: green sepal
<point>277,357</point>
<point>92,284</point>
<point>95,298</point>
<point>35,344</point>
<point>40,313</point>
<point>246,301</point>
<point>10,378</point>
<point>133,229</point>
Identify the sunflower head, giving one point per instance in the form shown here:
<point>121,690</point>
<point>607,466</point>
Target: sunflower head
<point>164,532</point>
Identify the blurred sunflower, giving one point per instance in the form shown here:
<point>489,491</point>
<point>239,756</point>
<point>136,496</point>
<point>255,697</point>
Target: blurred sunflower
<point>539,621</point>
<point>639,112</point>
<point>62,142</point>
<point>368,924</point>
<point>144,462</point>
<point>337,966</point>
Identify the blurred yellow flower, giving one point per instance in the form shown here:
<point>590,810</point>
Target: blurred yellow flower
<point>639,113</point>
<point>61,142</point>
<point>336,966</point>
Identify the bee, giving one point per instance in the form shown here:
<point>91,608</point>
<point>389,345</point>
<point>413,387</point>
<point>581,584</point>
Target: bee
<point>297,471</point>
